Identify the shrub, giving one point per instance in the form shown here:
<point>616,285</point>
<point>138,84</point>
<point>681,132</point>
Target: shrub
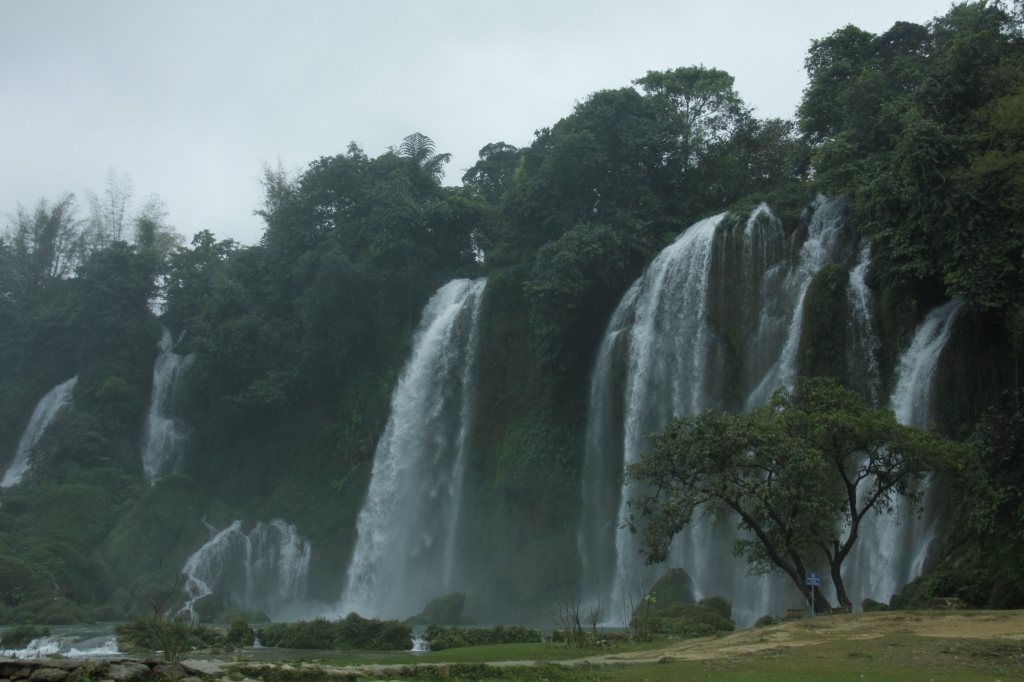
<point>20,635</point>
<point>765,621</point>
<point>706,617</point>
<point>351,632</point>
<point>240,634</point>
<point>450,638</point>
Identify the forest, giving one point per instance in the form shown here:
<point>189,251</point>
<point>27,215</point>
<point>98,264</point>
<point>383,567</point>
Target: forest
<point>295,345</point>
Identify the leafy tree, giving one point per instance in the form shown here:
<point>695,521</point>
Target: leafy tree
<point>801,473</point>
<point>493,173</point>
<point>915,124</point>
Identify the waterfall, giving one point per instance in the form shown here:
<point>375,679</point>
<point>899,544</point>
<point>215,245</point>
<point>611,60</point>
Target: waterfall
<point>714,323</point>
<point>892,548</point>
<point>52,405</point>
<point>263,570</point>
<point>862,358</point>
<point>164,439</point>
<point>912,398</point>
<point>825,244</point>
<point>405,551</point>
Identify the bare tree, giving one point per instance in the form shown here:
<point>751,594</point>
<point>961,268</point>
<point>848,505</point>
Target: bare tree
<point>173,631</point>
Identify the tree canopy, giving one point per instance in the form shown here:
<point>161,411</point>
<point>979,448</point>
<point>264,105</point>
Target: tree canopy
<point>800,474</point>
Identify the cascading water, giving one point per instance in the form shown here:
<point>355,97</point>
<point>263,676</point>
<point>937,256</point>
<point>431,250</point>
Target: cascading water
<point>52,405</point>
<point>404,554</point>
<point>263,570</point>
<point>165,436</point>
<point>714,323</point>
<point>892,549</point>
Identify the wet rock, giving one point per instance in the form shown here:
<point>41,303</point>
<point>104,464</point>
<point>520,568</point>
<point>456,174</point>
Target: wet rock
<point>48,675</point>
<point>124,671</point>
<point>170,671</point>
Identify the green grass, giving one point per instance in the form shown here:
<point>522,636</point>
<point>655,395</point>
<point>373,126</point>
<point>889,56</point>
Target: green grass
<point>887,658</point>
<point>509,652</point>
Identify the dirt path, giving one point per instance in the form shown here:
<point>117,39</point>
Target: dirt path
<point>942,624</point>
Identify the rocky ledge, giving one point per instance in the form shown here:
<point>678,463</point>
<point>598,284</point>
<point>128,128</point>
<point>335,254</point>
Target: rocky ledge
<point>74,670</point>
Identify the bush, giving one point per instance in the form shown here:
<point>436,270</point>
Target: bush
<point>765,621</point>
<point>141,634</point>
<point>20,635</point>
<point>441,638</point>
<point>351,632</point>
<point>240,634</point>
<point>706,617</point>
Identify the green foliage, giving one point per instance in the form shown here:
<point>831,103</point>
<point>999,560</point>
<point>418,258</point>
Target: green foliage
<point>21,582</point>
<point>19,636</point>
<point>764,621</point>
<point>142,635</point>
<point>824,335</point>
<point>445,610</point>
<point>915,125</point>
<point>441,638</point>
<point>351,632</point>
<point>800,473</point>
<point>240,634</point>
<point>704,618</point>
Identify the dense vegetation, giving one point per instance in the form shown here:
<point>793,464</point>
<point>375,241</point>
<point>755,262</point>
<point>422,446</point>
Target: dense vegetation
<point>440,637</point>
<point>351,632</point>
<point>299,338</point>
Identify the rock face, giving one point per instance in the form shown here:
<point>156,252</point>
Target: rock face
<point>673,588</point>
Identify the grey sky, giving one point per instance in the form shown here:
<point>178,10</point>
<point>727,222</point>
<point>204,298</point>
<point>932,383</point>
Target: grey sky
<point>189,98</point>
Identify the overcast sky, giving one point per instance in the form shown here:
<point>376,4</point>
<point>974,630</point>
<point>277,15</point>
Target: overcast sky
<point>191,98</point>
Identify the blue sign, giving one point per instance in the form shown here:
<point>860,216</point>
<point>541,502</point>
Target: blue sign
<point>812,579</point>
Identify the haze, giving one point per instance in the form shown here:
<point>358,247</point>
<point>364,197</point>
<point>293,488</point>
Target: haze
<point>191,98</point>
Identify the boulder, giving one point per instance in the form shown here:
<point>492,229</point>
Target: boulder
<point>170,671</point>
<point>673,588</point>
<point>125,670</point>
<point>48,675</point>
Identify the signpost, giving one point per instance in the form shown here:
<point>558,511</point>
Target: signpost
<point>814,580</point>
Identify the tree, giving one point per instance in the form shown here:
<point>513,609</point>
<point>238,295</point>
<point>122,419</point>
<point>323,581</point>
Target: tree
<point>801,473</point>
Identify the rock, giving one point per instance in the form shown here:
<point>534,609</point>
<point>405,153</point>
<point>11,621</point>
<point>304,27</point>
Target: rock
<point>201,668</point>
<point>191,679</point>
<point>121,672</point>
<point>125,646</point>
<point>674,587</point>
<point>170,671</point>
<point>48,675</point>
<point>18,673</point>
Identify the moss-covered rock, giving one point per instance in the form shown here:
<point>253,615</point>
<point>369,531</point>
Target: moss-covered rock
<point>824,335</point>
<point>673,588</point>
<point>446,610</point>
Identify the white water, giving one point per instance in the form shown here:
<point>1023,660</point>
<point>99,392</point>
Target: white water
<point>891,549</point>
<point>165,436</point>
<point>70,647</point>
<point>666,340</point>
<point>404,554</point>
<point>825,244</point>
<point>53,404</point>
<point>264,570</point>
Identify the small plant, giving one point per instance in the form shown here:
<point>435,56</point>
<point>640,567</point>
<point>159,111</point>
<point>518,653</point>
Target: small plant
<point>173,632</point>
<point>765,620</point>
